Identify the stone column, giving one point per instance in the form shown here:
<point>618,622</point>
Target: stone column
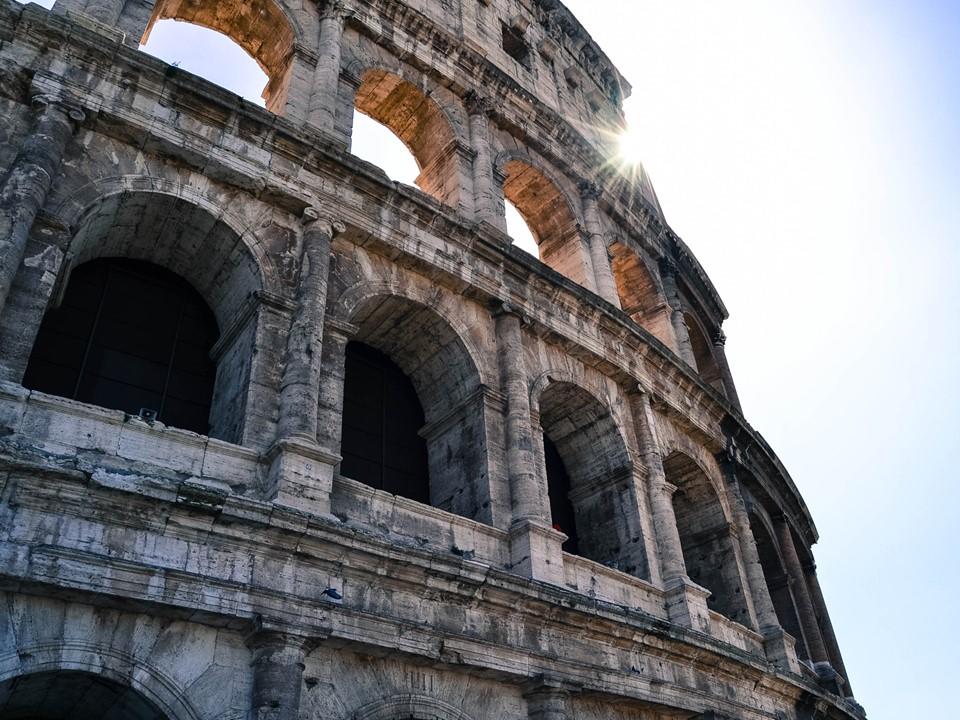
<point>686,601</point>
<point>326,79</point>
<point>535,547</point>
<point>719,341</point>
<point>668,273</point>
<point>547,701</point>
<point>527,496</point>
<point>826,627</point>
<point>486,195</point>
<point>780,649</point>
<point>301,472</point>
<point>300,385</point>
<point>808,618</point>
<point>597,242</point>
<point>278,664</point>
<point>26,186</point>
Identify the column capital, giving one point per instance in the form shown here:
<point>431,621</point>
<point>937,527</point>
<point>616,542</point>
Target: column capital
<point>477,104</point>
<point>315,218</point>
<point>589,190</point>
<point>668,267</point>
<point>334,10</point>
<point>504,308</point>
<point>42,102</point>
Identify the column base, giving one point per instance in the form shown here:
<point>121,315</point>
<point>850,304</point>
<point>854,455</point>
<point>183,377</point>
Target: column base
<point>829,679</point>
<point>687,604</point>
<point>781,649</point>
<point>300,475</point>
<point>536,551</point>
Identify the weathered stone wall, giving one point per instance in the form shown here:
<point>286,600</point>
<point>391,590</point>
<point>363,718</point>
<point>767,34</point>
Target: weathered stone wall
<point>241,574</point>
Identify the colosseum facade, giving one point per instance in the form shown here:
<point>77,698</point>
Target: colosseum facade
<point>281,438</point>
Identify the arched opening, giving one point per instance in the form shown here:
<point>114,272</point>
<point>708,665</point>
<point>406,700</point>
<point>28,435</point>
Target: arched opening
<point>562,513</point>
<point>381,446</point>
<point>590,479</point>
<point>703,353</point>
<point>421,126</point>
<point>210,261</point>
<point>548,216</point>
<point>70,695</point>
<point>431,385</point>
<point>778,583</point>
<point>192,47</point>
<point>131,336</point>
<point>640,297</point>
<point>709,551</point>
<point>259,27</point>
<point>519,231</point>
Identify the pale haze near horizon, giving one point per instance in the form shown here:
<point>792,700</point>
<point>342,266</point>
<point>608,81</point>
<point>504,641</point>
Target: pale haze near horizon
<point>808,154</point>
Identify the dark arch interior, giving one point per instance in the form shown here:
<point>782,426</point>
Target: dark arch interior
<point>69,695</point>
<point>131,336</point>
<point>382,415</point>
<point>708,547</point>
<point>558,488</point>
<point>589,479</point>
<point>703,353</point>
<point>778,584</point>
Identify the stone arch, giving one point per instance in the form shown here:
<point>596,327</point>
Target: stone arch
<point>706,362</point>
<point>265,30</point>
<point>350,300</point>
<point>177,234</point>
<point>204,249</point>
<point>440,363</point>
<point>597,473</point>
<point>74,208</point>
<point>640,291</point>
<point>549,211</point>
<point>706,536</point>
<point>420,707</point>
<point>115,669</point>
<point>417,115</point>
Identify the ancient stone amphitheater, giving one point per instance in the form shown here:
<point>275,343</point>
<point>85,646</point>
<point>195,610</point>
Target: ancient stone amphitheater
<point>281,438</point>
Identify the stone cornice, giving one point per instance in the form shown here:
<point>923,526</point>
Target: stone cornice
<point>243,525</point>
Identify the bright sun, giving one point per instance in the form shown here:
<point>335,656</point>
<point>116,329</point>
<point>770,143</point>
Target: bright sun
<point>630,147</point>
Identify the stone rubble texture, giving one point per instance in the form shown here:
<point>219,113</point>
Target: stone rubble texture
<point>150,572</point>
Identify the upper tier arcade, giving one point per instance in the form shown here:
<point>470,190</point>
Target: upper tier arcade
<point>282,438</point>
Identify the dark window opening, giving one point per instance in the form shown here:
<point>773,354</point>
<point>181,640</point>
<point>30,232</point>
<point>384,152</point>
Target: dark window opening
<point>515,47</point>
<point>381,446</point>
<point>129,336</point>
<point>558,488</point>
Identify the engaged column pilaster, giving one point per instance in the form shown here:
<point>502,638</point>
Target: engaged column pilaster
<point>25,190</point>
<point>301,473</point>
<point>599,257</point>
<point>487,194</point>
<point>779,647</point>
<point>686,601</point>
<point>668,273</point>
<point>326,79</point>
<point>536,548</point>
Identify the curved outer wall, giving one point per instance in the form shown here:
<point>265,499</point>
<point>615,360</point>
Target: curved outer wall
<point>241,574</point>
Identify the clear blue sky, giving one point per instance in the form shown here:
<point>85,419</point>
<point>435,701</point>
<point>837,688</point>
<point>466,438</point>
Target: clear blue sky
<point>808,153</point>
